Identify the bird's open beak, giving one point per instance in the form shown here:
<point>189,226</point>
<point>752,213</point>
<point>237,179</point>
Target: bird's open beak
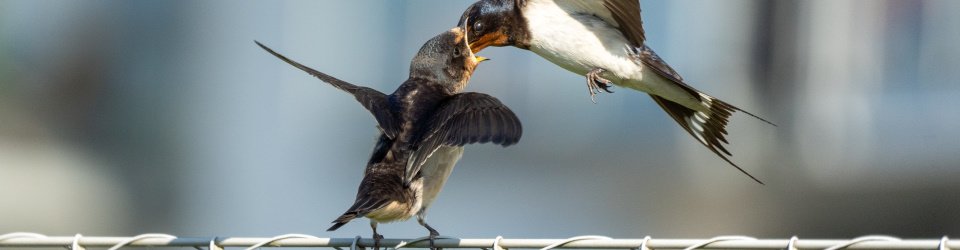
<point>477,44</point>
<point>490,39</point>
<point>466,39</point>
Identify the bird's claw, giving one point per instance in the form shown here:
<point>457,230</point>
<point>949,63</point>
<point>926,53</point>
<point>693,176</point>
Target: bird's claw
<point>433,237</point>
<point>595,83</point>
<point>376,241</point>
<point>604,84</point>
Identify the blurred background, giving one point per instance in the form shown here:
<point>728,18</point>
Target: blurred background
<point>126,117</point>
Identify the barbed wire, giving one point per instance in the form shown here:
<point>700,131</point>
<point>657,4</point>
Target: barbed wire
<point>80,242</point>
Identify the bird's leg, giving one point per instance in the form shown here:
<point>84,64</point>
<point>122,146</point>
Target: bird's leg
<point>595,83</point>
<point>376,237</point>
<point>433,232</point>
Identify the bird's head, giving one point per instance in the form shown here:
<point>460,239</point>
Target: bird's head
<point>447,58</point>
<point>495,23</point>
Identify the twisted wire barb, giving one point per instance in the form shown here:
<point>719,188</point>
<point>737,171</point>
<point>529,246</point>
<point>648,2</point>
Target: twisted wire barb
<point>281,237</point>
<point>496,243</point>
<point>577,238</point>
<point>643,245</point>
<point>792,244</point>
<point>75,245</point>
<point>140,237</point>
<point>863,239</point>
<point>405,243</point>
<point>213,245</point>
<point>356,240</point>
<point>718,239</point>
<point>943,243</point>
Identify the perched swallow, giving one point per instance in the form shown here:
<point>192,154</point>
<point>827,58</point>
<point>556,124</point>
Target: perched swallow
<point>604,41</point>
<point>424,125</point>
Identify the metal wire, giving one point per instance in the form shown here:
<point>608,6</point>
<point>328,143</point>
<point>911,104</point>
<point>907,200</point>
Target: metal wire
<point>719,239</point>
<point>213,245</point>
<point>404,243</point>
<point>646,241</point>
<point>77,242</point>
<point>288,236</point>
<point>792,244</point>
<point>862,239</point>
<point>140,237</point>
<point>496,243</point>
<point>573,239</point>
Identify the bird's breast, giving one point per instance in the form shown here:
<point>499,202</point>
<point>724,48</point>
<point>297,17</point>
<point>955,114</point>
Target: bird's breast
<point>436,170</point>
<point>577,40</point>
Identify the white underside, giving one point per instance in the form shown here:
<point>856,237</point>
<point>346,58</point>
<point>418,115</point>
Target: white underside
<point>397,211</point>
<point>580,36</point>
<point>436,170</point>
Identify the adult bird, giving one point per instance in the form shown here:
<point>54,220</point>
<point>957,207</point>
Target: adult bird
<point>424,125</point>
<point>604,41</point>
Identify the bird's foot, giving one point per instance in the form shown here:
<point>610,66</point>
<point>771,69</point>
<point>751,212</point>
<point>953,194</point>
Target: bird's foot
<point>376,241</point>
<point>595,83</point>
<point>433,237</point>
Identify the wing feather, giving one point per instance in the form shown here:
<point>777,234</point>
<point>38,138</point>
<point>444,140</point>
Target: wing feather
<point>627,15</point>
<point>465,118</point>
<point>371,99</point>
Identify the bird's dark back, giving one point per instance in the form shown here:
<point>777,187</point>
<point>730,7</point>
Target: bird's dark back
<point>417,99</point>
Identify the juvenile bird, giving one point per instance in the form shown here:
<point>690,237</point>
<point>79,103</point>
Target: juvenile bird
<point>604,41</point>
<point>424,125</point>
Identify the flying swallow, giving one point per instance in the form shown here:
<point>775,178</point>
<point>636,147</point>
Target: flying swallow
<point>604,41</point>
<point>424,125</point>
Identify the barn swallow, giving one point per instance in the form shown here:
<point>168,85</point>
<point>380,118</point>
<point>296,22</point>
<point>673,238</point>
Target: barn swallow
<point>423,125</point>
<point>604,41</point>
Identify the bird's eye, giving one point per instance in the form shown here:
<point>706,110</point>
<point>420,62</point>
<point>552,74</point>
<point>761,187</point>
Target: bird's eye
<point>456,50</point>
<point>477,27</point>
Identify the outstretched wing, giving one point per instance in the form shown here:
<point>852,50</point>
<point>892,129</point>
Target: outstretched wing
<point>465,118</point>
<point>371,99</point>
<point>627,15</point>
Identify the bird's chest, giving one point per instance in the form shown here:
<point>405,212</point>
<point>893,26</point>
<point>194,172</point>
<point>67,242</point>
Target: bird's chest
<point>579,41</point>
<point>436,170</point>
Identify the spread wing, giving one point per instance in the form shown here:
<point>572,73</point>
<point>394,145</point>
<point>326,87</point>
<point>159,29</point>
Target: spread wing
<point>371,99</point>
<point>465,118</point>
<point>627,15</point>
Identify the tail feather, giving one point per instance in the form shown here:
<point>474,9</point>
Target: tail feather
<point>342,220</point>
<point>708,129</point>
<point>363,205</point>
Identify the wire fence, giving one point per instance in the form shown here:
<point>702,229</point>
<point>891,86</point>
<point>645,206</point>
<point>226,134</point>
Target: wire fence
<point>80,242</point>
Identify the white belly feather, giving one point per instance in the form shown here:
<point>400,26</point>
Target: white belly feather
<point>581,36</point>
<point>579,42</point>
<point>436,170</point>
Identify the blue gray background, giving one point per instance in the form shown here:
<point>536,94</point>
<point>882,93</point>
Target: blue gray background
<point>126,117</point>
